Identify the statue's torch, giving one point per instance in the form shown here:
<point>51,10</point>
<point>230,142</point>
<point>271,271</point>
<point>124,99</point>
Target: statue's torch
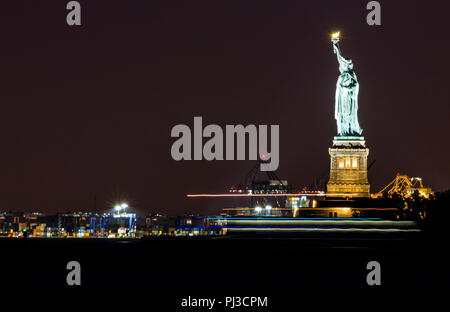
<point>335,40</point>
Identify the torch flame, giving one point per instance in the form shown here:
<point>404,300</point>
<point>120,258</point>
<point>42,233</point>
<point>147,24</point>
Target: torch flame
<point>335,35</point>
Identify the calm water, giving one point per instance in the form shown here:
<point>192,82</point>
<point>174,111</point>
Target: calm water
<point>250,262</point>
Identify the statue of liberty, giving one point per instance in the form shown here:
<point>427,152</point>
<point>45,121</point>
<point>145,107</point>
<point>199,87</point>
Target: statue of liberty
<point>346,100</point>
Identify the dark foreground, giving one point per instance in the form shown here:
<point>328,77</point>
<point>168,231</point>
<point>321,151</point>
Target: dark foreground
<point>259,263</point>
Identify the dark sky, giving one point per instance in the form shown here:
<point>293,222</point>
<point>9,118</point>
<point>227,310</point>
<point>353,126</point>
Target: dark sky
<point>87,111</point>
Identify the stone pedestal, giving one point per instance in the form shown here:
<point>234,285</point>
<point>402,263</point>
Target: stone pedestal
<point>348,168</point>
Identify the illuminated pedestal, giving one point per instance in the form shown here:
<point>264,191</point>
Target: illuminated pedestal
<point>348,168</point>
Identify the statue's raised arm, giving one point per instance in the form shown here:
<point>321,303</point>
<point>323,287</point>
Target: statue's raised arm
<point>337,51</point>
<point>343,63</point>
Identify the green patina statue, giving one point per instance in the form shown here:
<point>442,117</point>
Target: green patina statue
<point>346,101</point>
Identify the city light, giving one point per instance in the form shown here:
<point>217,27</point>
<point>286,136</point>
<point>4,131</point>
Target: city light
<point>120,207</point>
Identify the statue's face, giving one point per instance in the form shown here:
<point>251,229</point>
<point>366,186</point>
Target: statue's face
<point>349,65</point>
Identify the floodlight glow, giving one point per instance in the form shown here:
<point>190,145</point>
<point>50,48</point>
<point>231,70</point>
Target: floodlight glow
<point>268,207</point>
<point>258,209</point>
<point>124,205</point>
<point>118,207</point>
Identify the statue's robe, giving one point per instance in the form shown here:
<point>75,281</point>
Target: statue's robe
<point>346,104</point>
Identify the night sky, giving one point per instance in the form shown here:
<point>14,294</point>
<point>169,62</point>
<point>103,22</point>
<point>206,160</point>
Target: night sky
<point>86,112</point>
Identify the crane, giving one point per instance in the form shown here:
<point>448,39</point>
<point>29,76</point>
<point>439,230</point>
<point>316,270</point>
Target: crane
<point>404,186</point>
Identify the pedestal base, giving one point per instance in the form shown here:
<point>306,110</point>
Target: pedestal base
<point>348,168</point>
